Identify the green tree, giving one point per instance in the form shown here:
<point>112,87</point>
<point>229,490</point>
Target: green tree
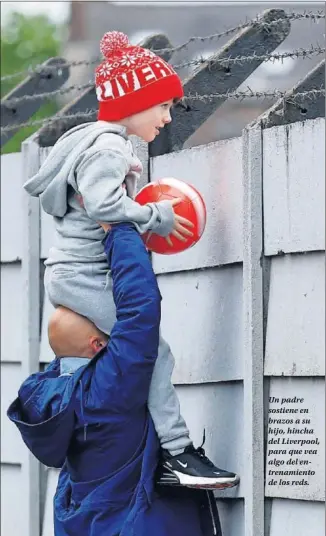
<point>27,41</point>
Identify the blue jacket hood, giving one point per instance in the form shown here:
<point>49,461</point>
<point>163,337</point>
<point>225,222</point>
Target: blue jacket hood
<point>44,413</point>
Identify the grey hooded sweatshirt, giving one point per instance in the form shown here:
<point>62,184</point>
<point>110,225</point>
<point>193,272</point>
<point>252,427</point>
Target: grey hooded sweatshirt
<point>90,176</point>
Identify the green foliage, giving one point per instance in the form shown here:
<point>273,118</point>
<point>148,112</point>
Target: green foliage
<point>27,41</point>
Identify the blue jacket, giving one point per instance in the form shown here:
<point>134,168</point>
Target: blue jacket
<point>90,418</point>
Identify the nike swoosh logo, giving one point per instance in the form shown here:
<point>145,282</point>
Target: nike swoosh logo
<point>184,465</point>
<point>216,473</point>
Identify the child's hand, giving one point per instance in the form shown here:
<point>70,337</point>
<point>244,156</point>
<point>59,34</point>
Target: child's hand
<point>105,226</point>
<point>179,230</point>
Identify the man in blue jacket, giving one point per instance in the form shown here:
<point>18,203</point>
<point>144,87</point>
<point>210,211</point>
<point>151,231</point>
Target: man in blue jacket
<point>90,417</point>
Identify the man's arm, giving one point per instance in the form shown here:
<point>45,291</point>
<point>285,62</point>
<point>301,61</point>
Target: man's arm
<point>123,372</point>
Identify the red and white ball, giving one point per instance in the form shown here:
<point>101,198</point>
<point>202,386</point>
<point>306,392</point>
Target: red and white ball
<point>191,207</point>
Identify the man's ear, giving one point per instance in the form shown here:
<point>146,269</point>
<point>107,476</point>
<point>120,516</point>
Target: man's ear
<point>96,344</point>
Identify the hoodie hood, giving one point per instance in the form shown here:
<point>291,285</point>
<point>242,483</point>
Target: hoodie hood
<point>57,172</point>
<point>44,413</point>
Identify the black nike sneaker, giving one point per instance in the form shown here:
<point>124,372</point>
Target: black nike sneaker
<point>194,470</point>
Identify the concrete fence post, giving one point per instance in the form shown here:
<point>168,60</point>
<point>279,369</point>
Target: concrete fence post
<point>253,333</point>
<point>30,318</point>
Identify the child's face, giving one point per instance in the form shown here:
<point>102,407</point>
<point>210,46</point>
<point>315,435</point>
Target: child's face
<point>146,124</point>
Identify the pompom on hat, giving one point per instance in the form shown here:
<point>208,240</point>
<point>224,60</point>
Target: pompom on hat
<point>132,79</point>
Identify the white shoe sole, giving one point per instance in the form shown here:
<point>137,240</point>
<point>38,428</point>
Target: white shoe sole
<point>195,482</point>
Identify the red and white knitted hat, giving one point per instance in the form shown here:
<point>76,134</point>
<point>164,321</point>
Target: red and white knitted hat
<point>132,79</point>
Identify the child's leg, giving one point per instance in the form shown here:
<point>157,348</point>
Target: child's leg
<point>86,290</point>
<point>163,403</point>
<point>83,289</point>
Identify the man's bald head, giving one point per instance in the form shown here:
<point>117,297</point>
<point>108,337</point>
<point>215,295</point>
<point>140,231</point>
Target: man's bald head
<point>71,334</point>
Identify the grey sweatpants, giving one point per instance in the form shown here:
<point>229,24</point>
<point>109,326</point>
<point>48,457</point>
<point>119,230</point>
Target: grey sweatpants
<point>87,290</point>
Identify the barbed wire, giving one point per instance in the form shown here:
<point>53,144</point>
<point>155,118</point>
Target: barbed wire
<point>238,95</point>
<point>49,94</point>
<point>300,53</point>
<point>241,95</point>
<point>49,121</point>
<point>253,22</point>
<point>292,16</point>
